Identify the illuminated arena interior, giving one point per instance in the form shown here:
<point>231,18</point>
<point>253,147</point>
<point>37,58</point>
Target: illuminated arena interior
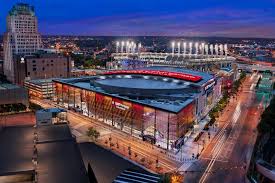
<point>157,104</point>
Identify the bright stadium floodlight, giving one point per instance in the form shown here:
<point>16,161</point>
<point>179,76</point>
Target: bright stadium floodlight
<point>206,47</point>
<point>225,50</point>
<point>127,46</point>
<point>173,47</point>
<point>197,47</point>
<point>216,49</point>
<point>122,45</point>
<point>139,47</point>
<point>133,46</point>
<point>211,49</point>
<point>178,48</point>
<point>190,48</point>
<point>184,48</point>
<point>117,45</point>
<point>202,48</point>
<point>130,46</point>
<point>221,49</point>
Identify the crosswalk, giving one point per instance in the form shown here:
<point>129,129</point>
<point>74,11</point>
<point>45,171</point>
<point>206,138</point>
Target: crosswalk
<point>133,176</point>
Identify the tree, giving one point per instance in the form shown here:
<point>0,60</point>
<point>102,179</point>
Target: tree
<point>93,133</point>
<point>174,177</point>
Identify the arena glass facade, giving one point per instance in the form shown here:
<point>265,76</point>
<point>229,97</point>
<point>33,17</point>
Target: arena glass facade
<point>163,128</point>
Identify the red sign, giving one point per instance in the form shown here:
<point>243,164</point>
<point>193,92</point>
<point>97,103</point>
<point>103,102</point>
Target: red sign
<point>175,75</point>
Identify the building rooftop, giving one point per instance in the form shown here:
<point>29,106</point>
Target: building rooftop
<point>40,81</point>
<point>59,158</point>
<point>22,9</point>
<point>8,86</point>
<point>105,164</point>
<point>16,144</point>
<point>162,92</point>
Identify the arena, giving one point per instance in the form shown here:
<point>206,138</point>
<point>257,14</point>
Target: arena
<point>156,104</point>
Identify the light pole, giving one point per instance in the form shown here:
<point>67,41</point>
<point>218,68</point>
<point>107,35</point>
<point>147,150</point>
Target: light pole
<point>190,48</point>
<point>178,48</point>
<point>184,48</point>
<point>173,47</point>
<point>117,45</point>
<point>122,45</point>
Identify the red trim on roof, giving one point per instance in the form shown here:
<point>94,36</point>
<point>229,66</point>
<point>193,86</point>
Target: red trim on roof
<point>175,75</point>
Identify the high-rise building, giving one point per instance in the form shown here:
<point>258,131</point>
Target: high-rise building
<point>21,37</point>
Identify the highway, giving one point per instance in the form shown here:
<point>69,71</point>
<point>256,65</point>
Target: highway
<point>225,157</point>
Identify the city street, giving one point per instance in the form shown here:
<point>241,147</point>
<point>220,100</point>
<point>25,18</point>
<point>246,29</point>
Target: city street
<point>228,153</point>
<point>119,142</point>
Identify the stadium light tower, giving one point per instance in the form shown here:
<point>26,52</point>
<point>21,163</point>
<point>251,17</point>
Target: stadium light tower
<point>216,49</point>
<point>190,48</point>
<point>225,50</point>
<point>139,47</point>
<point>122,45</point>
<point>117,46</point>
<point>127,46</point>
<point>211,49</point>
<point>131,45</point>
<point>173,47</point>
<point>202,48</point>
<point>184,48</point>
<point>178,48</point>
<point>135,46</point>
<point>206,47</point>
<point>221,49</point>
<point>197,48</point>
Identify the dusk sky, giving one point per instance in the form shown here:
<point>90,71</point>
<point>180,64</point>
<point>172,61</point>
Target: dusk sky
<point>230,18</point>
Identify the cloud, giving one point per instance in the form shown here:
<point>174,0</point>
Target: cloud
<point>206,22</point>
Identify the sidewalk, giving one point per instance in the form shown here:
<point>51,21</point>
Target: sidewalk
<point>191,149</point>
<point>188,154</point>
<point>129,147</point>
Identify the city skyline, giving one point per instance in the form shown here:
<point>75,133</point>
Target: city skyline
<point>173,18</point>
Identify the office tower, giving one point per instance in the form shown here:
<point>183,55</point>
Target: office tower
<point>21,37</point>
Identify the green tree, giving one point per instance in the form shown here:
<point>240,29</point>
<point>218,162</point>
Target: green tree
<point>93,133</point>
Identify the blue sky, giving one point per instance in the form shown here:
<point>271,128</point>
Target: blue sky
<point>231,18</point>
